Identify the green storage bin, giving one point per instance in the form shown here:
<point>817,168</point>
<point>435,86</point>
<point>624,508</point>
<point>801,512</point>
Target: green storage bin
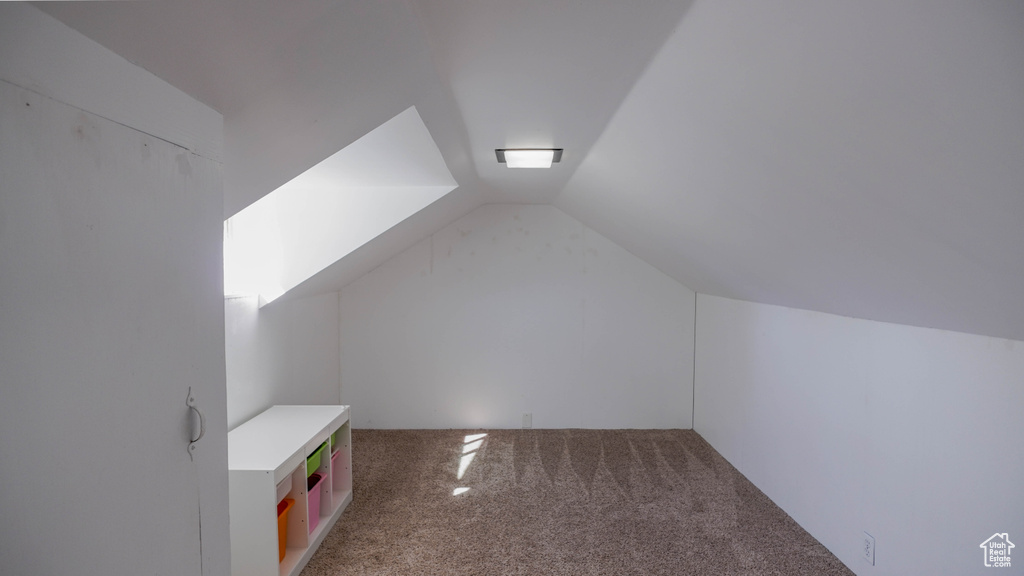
<point>313,462</point>
<point>334,441</point>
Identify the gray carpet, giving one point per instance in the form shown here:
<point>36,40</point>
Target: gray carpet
<point>614,502</point>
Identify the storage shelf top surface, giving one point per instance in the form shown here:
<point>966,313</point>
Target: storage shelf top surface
<point>270,439</point>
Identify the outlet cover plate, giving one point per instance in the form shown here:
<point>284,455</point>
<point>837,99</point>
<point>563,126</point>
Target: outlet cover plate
<point>527,421</point>
<point>869,549</point>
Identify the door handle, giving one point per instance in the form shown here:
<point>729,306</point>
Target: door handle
<point>191,403</point>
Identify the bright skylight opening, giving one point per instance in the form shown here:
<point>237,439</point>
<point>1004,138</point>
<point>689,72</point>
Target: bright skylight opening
<point>325,213</point>
<point>252,267</point>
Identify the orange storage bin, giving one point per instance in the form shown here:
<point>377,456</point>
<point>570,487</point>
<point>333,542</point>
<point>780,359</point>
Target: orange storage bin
<point>282,526</point>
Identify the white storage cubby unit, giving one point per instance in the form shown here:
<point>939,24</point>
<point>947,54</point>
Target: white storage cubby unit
<point>262,453</point>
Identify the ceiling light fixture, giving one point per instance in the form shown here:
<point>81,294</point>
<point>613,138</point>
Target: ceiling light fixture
<point>528,157</point>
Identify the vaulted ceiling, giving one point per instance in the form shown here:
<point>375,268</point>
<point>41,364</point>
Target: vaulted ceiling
<point>858,157</point>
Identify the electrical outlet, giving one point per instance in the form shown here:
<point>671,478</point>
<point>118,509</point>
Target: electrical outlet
<point>527,421</point>
<point>869,548</point>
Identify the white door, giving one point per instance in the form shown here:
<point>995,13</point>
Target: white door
<point>110,311</point>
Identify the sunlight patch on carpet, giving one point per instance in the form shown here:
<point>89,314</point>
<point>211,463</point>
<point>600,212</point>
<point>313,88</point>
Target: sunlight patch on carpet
<point>471,444</point>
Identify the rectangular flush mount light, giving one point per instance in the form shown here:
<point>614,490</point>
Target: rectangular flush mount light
<point>528,157</point>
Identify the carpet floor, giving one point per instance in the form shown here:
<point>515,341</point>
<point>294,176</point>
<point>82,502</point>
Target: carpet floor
<point>589,502</point>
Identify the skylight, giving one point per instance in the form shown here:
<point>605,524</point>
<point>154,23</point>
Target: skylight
<point>333,208</point>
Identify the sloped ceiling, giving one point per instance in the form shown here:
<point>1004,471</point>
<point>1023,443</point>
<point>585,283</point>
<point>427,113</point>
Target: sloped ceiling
<point>859,157</point>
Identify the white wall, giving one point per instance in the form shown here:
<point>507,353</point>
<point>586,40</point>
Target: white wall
<point>517,309</point>
<point>911,434</point>
<point>283,353</point>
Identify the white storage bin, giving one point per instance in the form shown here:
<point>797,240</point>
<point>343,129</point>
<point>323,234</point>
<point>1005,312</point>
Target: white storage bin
<point>284,488</point>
